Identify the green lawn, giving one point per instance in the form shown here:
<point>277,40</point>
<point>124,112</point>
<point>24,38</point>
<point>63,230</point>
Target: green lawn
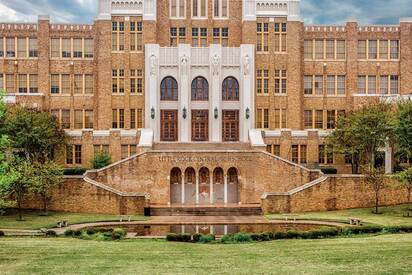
<point>34,220</point>
<point>383,254</point>
<point>392,215</point>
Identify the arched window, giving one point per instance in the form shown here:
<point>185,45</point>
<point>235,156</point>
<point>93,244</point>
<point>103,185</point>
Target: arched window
<point>230,89</point>
<point>200,89</point>
<point>168,89</point>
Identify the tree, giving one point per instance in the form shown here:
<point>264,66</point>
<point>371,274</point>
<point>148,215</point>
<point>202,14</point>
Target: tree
<point>35,135</point>
<point>101,159</point>
<point>403,129</point>
<point>45,177</point>
<point>405,178</point>
<point>342,141</point>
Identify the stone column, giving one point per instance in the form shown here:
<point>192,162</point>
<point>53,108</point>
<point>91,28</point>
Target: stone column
<point>197,187</point>
<point>183,188</point>
<point>215,57</point>
<point>184,95</point>
<point>388,159</point>
<point>211,188</point>
<point>151,89</point>
<point>247,88</point>
<point>225,189</point>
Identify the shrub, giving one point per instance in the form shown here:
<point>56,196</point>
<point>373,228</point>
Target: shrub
<point>255,237</point>
<point>101,159</point>
<point>196,237</point>
<point>118,234</point>
<point>361,229</point>
<point>90,231</point>
<point>228,238</point>
<point>320,233</point>
<point>77,233</point>
<point>266,236</point>
<point>398,229</point>
<point>69,233</point>
<point>171,237</point>
<point>51,233</point>
<point>74,171</point>
<point>329,170</point>
<point>207,238</point>
<point>242,237</point>
<point>2,234</point>
<point>186,238</point>
<point>279,235</point>
<point>292,234</point>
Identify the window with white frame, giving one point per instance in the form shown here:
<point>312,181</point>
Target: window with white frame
<point>220,8</point>
<point>199,8</point>
<point>177,8</point>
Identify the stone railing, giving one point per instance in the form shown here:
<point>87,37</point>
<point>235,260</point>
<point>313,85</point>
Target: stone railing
<point>325,28</point>
<point>18,26</point>
<point>71,27</point>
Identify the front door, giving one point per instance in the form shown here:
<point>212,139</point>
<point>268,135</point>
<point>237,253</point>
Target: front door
<point>200,125</point>
<point>230,127</point>
<point>168,125</point>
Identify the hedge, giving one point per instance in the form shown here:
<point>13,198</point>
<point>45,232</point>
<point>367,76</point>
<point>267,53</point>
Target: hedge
<point>329,170</point>
<point>74,171</point>
<point>2,234</point>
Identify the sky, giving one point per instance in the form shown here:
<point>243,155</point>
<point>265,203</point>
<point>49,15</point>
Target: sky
<point>313,11</point>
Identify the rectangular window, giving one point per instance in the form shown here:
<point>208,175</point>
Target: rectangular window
<point>383,49</point>
<point>280,81</point>
<point>199,37</point>
<point>55,84</point>
<point>78,119</point>
<point>78,83</point>
<point>322,152</point>
<point>89,84</point>
<point>66,48</point>
<point>280,118</point>
<point>331,119</point>
<point>220,8</point>
<point>308,48</point>
<point>319,85</point>
<point>319,50</point>
<point>33,47</point>
<point>308,84</point>
<point>372,49</point>
<point>199,8</point>
<point>88,48</point>
<point>319,119</point>
<point>394,84</point>
<point>77,48</point>
<point>33,84</point>
<point>10,47</point>
<point>362,49</point>
<point>394,49</point>
<point>295,153</point>
<point>340,49</point>
<point>303,154</point>
<point>66,84</point>
<point>136,39</point>
<point>371,84</point>
<point>10,87</point>
<point>362,84</point>
<point>262,81</point>
<point>65,121</point>
<point>1,47</point>
<point>341,84</point>
<point>384,84</point>
<point>330,84</point>
<point>262,118</point>
<point>280,37</point>
<point>55,48</point>
<point>21,47</point>
<point>69,154</point>
<point>132,118</point>
<point>262,42</point>
<point>221,36</point>
<point>22,83</point>
<point>88,119</point>
<point>330,49</point>
<point>118,81</point>
<point>78,154</point>
<point>101,148</point>
<point>308,119</point>
<point>117,36</point>
<point>118,118</point>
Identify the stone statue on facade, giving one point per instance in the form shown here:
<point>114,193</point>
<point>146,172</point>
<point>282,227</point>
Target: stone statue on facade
<point>215,64</point>
<point>153,65</point>
<point>246,65</point>
<point>184,60</point>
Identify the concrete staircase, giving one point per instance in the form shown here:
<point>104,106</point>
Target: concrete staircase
<point>244,210</point>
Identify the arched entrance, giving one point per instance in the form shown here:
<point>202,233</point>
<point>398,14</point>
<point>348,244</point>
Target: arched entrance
<point>204,186</point>
<point>175,186</point>
<point>232,185</point>
<point>190,186</point>
<point>218,186</point>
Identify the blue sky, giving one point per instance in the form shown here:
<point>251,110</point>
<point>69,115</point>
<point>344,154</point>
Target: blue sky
<point>313,11</point>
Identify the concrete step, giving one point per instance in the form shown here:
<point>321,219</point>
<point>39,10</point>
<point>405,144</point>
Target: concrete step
<point>205,211</point>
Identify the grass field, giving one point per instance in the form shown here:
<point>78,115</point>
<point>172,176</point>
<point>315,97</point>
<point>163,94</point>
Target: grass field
<point>392,215</point>
<point>33,219</point>
<point>381,254</point>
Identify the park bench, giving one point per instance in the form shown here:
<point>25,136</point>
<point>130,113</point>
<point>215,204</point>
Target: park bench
<point>62,224</point>
<point>355,221</point>
<point>125,218</point>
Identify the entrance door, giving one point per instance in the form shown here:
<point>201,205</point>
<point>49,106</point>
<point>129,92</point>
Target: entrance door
<point>200,125</point>
<point>168,125</point>
<point>230,129</point>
